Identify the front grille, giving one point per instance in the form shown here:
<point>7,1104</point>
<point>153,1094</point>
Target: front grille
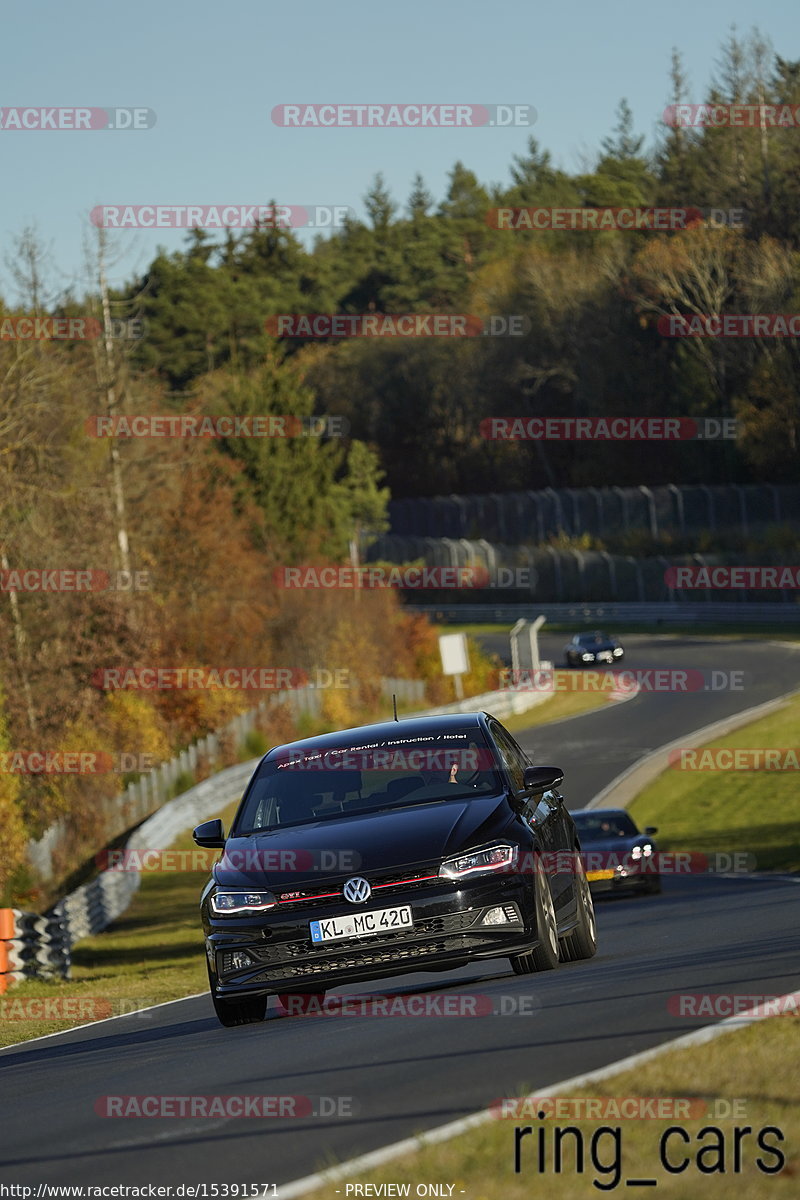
<point>386,957</point>
<point>448,923</point>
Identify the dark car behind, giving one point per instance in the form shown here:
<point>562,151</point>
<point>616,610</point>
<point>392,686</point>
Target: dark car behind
<point>617,856</point>
<point>596,647</point>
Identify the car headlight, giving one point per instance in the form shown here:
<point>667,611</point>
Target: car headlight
<point>587,658</point>
<point>618,651</point>
<point>494,858</point>
<point>226,903</point>
<point>642,851</point>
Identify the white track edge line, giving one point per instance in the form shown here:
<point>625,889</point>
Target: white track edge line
<point>745,716</point>
<point>103,1020</point>
<point>443,1133</point>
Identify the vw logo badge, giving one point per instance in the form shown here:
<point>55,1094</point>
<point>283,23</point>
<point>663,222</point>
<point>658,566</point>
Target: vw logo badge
<point>357,890</point>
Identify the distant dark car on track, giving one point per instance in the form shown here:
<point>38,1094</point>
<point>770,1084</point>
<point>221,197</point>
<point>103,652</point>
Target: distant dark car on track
<point>617,856</point>
<point>415,845</point>
<point>595,647</point>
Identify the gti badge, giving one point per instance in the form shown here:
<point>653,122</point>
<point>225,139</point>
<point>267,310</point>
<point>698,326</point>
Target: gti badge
<point>357,890</point>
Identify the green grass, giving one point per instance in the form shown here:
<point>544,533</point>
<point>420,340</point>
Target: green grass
<point>563,704</point>
<point>481,1161</point>
<point>757,812</point>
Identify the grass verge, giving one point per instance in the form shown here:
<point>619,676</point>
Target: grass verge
<point>757,812</point>
<point>563,705</point>
<point>718,1094</point>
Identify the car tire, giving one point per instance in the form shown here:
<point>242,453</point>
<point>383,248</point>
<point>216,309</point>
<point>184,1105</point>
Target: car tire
<point>581,942</point>
<point>300,1003</point>
<point>653,887</point>
<point>247,1011</point>
<point>545,956</point>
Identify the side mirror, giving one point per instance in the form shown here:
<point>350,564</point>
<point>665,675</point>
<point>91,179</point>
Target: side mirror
<point>210,833</point>
<point>541,779</point>
<point>650,830</point>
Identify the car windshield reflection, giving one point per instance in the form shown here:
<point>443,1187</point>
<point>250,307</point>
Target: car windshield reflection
<point>349,781</point>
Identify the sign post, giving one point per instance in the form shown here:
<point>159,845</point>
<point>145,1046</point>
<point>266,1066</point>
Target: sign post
<point>455,658</point>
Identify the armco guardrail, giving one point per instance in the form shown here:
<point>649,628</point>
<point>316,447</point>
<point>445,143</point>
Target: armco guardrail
<point>148,793</point>
<point>645,614</point>
<point>511,573</point>
<point>518,517</point>
<point>32,947</point>
<point>501,704</point>
<point>92,907</point>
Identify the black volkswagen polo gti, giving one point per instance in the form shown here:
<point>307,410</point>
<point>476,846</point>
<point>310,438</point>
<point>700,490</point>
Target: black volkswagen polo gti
<point>416,845</point>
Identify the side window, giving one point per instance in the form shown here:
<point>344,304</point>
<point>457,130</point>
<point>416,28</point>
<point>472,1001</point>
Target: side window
<point>510,753</point>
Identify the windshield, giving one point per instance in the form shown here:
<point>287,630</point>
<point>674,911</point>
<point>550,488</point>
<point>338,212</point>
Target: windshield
<point>311,784</point>
<point>597,826</point>
<point>591,639</point>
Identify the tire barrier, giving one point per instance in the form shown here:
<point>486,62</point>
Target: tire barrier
<point>534,516</point>
<point>94,906</point>
<point>546,575</point>
<point>32,947</point>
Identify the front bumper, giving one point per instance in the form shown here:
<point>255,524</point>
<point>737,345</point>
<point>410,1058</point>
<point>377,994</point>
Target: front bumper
<point>622,879</point>
<point>447,933</point>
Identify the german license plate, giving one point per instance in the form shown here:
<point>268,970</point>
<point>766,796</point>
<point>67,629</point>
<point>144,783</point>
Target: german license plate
<point>381,920</point>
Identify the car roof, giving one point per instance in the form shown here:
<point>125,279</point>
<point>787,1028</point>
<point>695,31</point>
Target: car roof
<point>411,727</point>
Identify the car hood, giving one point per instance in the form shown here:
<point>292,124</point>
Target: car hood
<point>362,844</point>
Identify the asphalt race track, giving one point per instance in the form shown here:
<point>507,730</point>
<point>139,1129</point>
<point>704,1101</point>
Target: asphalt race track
<point>595,748</point>
<point>398,1076</point>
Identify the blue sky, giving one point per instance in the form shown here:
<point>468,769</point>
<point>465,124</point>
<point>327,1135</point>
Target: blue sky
<point>213,74</point>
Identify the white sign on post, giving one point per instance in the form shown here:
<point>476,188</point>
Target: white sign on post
<point>455,658</point>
